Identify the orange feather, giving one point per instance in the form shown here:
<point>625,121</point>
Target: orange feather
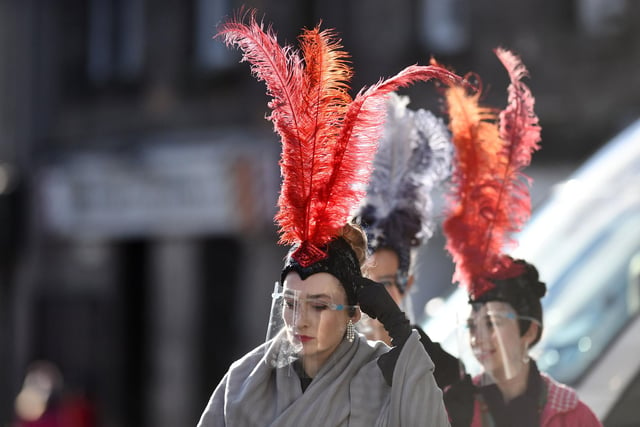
<point>491,198</point>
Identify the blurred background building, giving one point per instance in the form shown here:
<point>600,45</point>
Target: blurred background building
<point>138,177</point>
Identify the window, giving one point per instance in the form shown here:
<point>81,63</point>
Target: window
<point>445,26</point>
<point>209,55</point>
<point>115,42</point>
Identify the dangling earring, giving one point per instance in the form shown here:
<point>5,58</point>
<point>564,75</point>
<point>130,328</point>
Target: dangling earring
<point>525,356</point>
<point>351,331</point>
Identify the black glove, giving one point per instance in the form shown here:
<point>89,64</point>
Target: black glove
<point>459,399</point>
<point>375,301</point>
<point>447,367</point>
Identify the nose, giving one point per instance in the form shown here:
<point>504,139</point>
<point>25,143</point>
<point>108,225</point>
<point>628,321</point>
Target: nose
<point>482,337</point>
<point>300,317</point>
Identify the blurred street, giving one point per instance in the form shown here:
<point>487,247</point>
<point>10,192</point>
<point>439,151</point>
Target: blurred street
<point>139,178</point>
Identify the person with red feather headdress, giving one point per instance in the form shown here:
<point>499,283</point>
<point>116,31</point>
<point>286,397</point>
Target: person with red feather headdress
<point>314,368</point>
<point>490,201</point>
<point>413,159</point>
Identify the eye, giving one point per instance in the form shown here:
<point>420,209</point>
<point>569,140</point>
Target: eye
<point>388,283</point>
<point>320,305</point>
<point>288,303</point>
<point>491,323</point>
<point>471,325</point>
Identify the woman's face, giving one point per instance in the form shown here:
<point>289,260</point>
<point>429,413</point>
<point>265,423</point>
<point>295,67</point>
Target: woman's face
<point>495,339</point>
<point>311,315</point>
<point>384,265</point>
<point>383,268</point>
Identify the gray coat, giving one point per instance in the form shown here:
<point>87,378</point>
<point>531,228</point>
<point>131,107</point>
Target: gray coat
<point>349,390</point>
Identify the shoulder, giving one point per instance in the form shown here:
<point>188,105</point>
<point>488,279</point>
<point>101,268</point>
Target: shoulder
<point>256,354</point>
<point>563,400</point>
<point>366,354</point>
<point>248,362</point>
<point>560,397</point>
<point>374,348</point>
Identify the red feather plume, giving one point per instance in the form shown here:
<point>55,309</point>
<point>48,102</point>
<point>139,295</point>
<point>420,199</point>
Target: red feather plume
<point>328,139</point>
<point>491,198</point>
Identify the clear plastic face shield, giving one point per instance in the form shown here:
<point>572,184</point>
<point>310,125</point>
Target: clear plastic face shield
<point>307,323</point>
<point>491,343</point>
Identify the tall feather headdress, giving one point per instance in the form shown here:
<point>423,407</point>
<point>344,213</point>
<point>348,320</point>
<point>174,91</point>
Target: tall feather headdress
<point>328,138</point>
<point>490,199</point>
<point>414,156</point>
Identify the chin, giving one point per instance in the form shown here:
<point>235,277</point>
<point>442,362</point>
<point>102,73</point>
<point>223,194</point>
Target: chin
<point>492,366</point>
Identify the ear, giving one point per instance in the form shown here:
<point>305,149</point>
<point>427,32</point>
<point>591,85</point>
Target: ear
<point>410,281</point>
<point>357,316</point>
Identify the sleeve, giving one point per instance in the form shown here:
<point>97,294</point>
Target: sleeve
<point>448,368</point>
<point>460,402</point>
<point>213,415</point>
<point>415,397</point>
<point>585,417</point>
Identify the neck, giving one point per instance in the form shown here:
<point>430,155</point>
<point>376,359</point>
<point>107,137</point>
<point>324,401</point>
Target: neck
<point>514,387</point>
<point>311,365</point>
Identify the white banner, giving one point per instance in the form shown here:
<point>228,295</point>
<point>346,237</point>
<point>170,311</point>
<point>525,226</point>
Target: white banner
<point>215,187</point>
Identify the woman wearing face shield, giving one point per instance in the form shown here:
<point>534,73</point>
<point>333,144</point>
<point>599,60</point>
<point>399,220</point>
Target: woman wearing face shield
<point>490,201</point>
<point>413,159</point>
<point>315,370</point>
<point>503,324</point>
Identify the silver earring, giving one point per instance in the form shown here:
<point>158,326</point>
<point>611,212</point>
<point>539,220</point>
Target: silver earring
<point>351,331</point>
<point>525,357</point>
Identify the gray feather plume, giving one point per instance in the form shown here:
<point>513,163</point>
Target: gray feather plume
<point>414,156</point>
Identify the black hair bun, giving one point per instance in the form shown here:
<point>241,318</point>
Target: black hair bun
<point>531,279</point>
<point>539,289</point>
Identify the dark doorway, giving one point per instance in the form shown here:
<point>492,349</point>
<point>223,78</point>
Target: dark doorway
<point>220,266</point>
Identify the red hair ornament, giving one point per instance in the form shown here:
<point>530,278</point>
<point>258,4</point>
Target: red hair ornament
<point>328,138</point>
<point>490,199</point>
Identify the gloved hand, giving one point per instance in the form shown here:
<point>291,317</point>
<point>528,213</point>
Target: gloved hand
<point>459,399</point>
<point>375,301</point>
<point>447,367</point>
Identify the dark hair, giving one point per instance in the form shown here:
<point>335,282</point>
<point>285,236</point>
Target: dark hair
<point>400,232</point>
<point>523,293</point>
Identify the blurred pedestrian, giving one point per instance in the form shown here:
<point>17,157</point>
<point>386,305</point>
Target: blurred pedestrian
<point>45,401</point>
<point>39,402</point>
<point>503,324</point>
<point>413,159</point>
<point>491,201</point>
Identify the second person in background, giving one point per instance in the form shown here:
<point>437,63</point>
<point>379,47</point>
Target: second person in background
<point>413,159</point>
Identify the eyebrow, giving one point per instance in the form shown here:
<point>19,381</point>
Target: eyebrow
<point>506,314</point>
<point>312,296</point>
<point>318,296</point>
